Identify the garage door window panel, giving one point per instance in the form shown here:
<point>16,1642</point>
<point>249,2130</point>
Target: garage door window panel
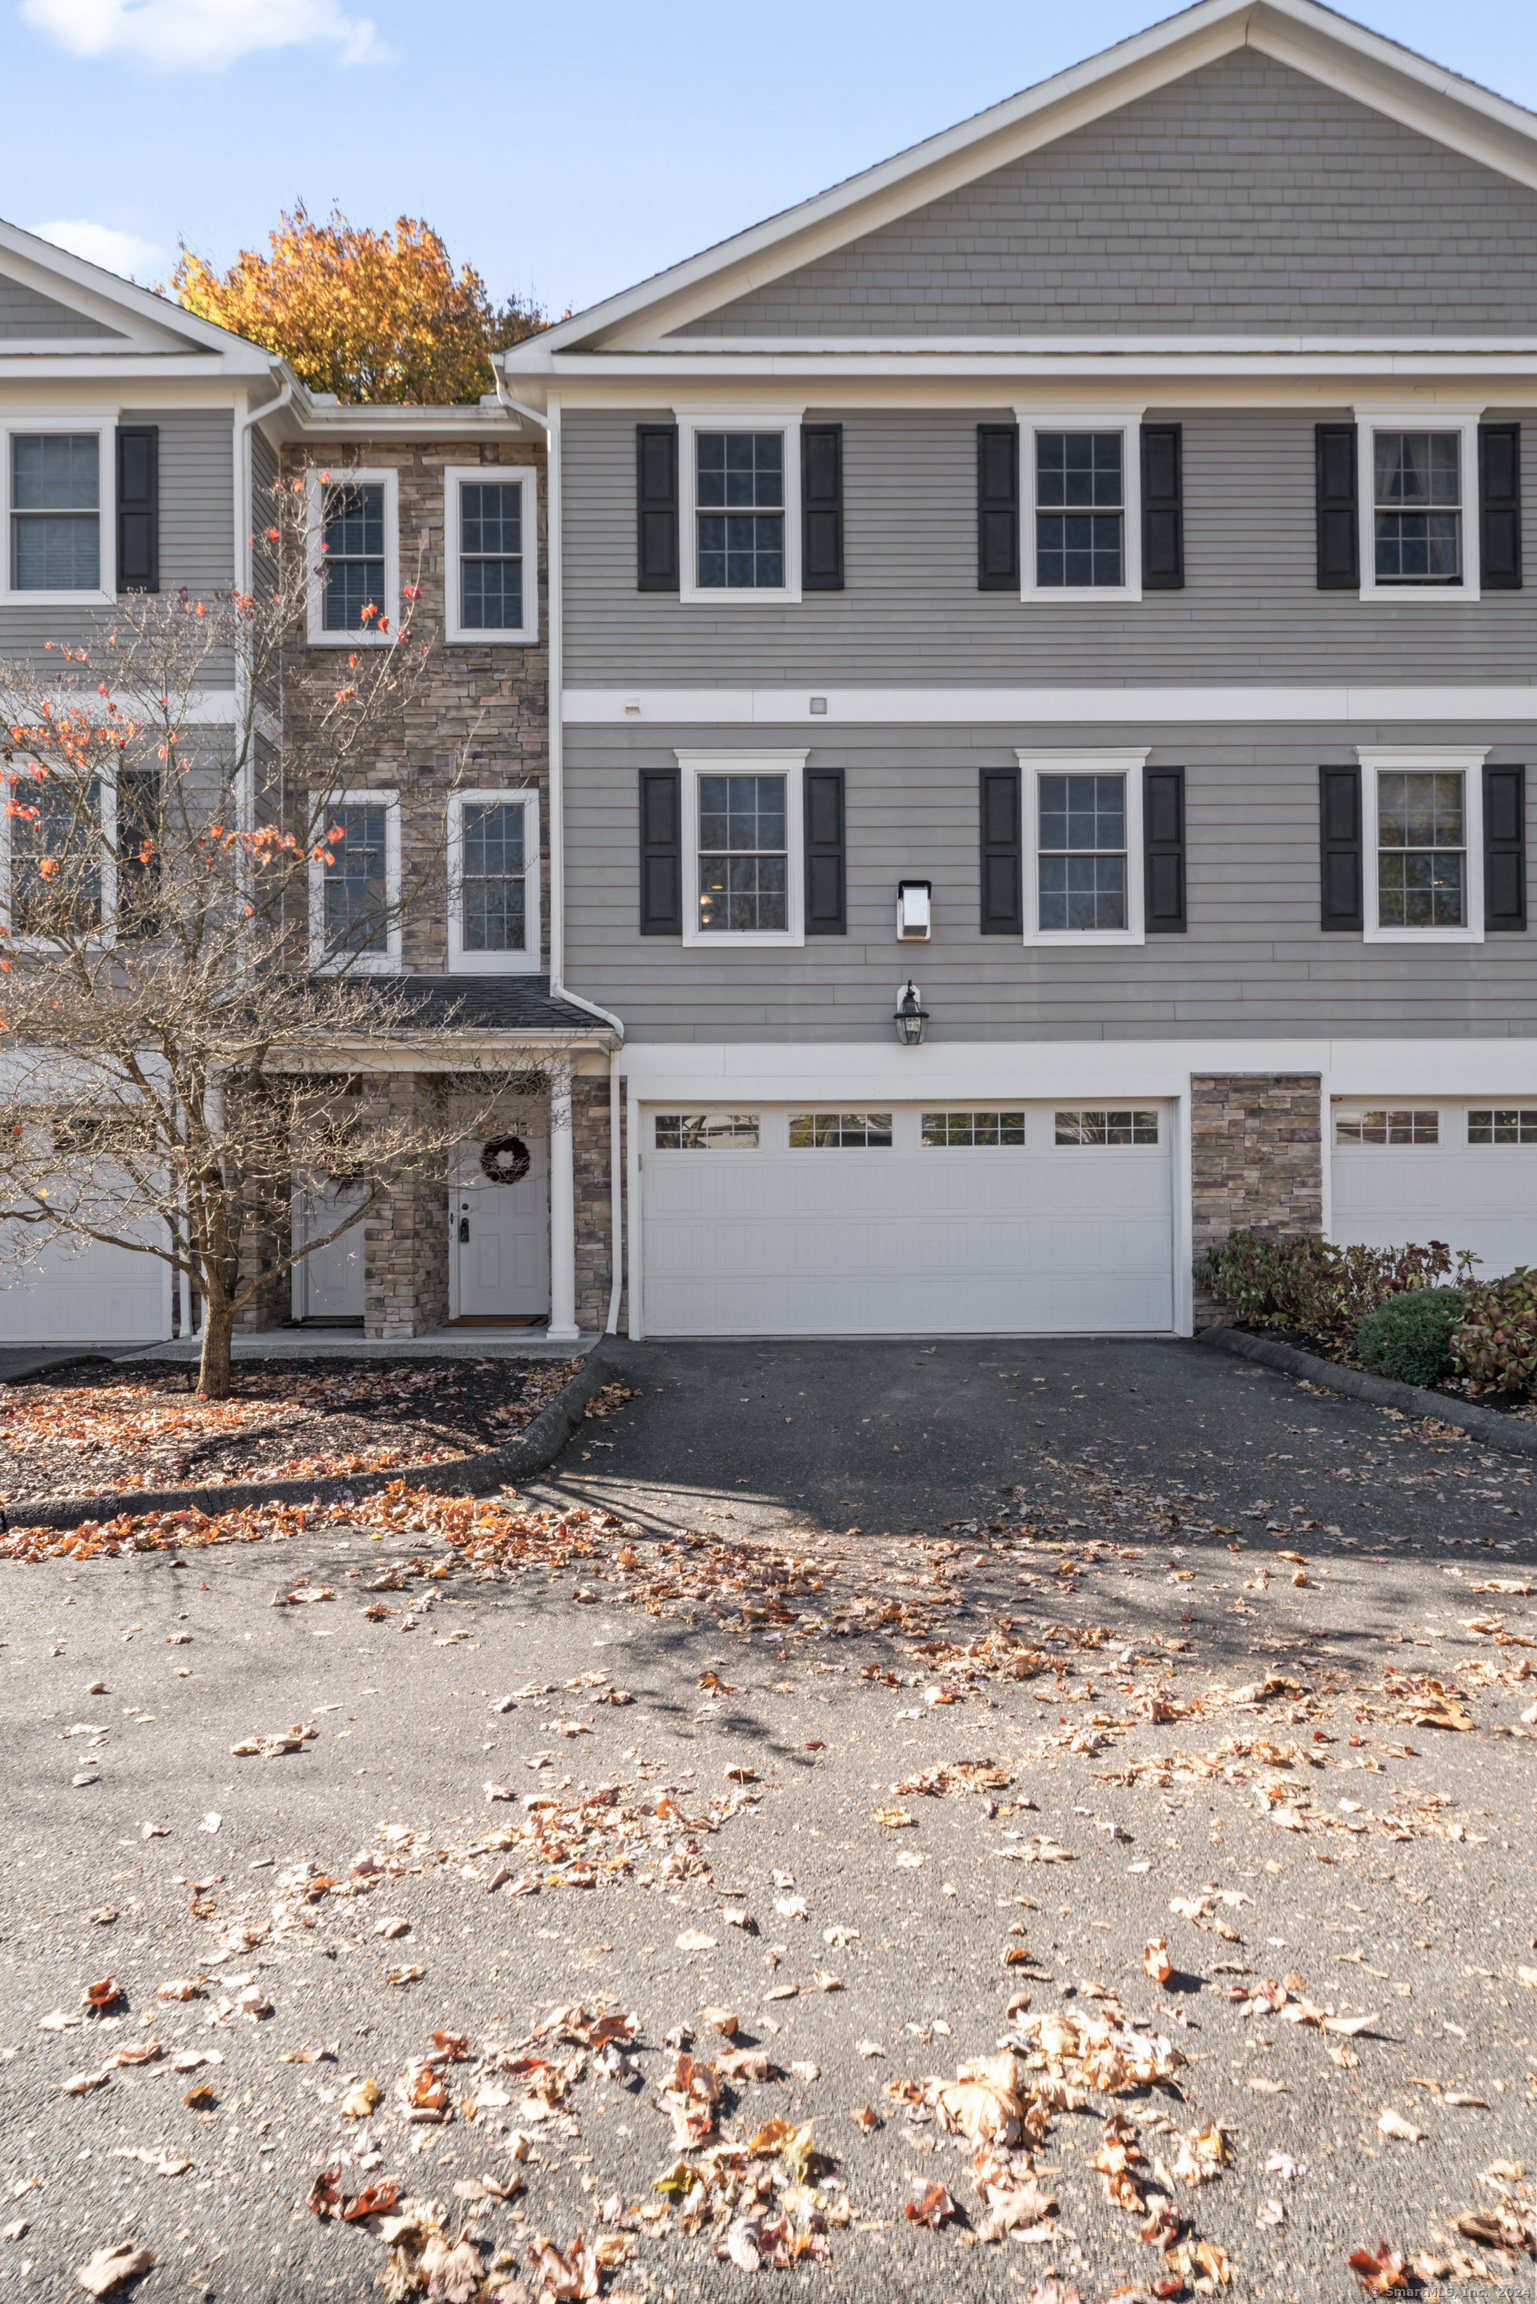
<point>840,1131</point>
<point>970,1130</point>
<point>1388,1125</point>
<point>1096,1127</point>
<point>1503,1125</point>
<point>707,1131</point>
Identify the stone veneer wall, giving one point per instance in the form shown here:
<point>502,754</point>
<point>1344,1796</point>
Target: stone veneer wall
<point>486,702</point>
<point>405,1240</point>
<point>590,1158</point>
<point>1256,1159</point>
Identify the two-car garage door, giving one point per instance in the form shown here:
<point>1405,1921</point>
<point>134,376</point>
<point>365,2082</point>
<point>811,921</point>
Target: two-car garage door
<point>1435,1169</point>
<point>803,1221</point>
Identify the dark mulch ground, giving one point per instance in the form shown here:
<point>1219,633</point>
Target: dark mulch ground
<point>89,1431</point>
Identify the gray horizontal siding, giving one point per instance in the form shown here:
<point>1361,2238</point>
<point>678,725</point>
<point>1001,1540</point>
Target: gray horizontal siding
<point>911,614</point>
<point>25,312</point>
<point>1244,196</point>
<point>197,527</point>
<point>1253,960</point>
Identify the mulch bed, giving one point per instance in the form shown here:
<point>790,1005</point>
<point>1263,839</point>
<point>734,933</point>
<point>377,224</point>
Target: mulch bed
<point>90,1432</point>
<point>1513,1404</point>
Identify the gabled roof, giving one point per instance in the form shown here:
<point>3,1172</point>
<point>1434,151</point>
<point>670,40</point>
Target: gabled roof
<point>1312,39</point>
<point>131,320</point>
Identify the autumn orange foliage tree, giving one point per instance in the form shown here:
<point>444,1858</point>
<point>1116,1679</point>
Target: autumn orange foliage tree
<point>367,315</point>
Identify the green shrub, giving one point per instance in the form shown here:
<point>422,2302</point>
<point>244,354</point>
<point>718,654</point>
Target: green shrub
<point>1495,1348</point>
<point>1410,1336</point>
<point>1315,1288</point>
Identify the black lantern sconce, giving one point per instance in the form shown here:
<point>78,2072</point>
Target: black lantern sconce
<point>911,1018</point>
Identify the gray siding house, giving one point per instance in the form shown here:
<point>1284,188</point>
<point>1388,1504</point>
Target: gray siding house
<point>1067,581</point>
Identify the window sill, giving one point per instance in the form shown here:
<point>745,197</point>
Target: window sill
<point>66,595</point>
<point>1422,935</point>
<point>499,638</point>
<point>493,964</point>
<point>352,639</point>
<point>738,596</point>
<point>1069,939</point>
<point>1439,595</point>
<point>740,939</point>
<point>1076,594</point>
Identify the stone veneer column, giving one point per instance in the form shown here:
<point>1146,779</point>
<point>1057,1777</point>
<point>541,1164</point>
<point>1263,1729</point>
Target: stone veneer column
<point>594,1250</point>
<point>405,1240</point>
<point>1256,1159</point>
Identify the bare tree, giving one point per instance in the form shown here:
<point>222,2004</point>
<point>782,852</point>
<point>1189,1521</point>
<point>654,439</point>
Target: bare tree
<point>190,944</point>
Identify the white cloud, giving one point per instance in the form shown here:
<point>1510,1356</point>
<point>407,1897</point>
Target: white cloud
<point>203,34</point>
<point>103,244</point>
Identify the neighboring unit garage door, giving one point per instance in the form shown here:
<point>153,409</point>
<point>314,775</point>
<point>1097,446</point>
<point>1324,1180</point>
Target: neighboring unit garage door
<point>100,1295</point>
<point>1463,1172</point>
<point>803,1221</point>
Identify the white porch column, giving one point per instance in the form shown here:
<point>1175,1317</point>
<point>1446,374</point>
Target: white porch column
<point>563,1329</point>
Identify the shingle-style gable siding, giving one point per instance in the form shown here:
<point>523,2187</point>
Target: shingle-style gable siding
<point>1243,197</point>
<point>25,314</point>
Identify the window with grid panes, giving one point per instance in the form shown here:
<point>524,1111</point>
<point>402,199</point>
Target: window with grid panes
<point>1503,1126</point>
<point>706,1131</point>
<point>1079,509</point>
<point>1421,849</point>
<point>1416,507</point>
<point>1399,1125</point>
<point>492,897</point>
<point>356,882</point>
<point>840,1131</point>
<point>740,483</point>
<point>490,555</point>
<point>352,569</point>
<point>744,858</point>
<point>55,859</point>
<point>56,511</point>
<point>1081,852</point>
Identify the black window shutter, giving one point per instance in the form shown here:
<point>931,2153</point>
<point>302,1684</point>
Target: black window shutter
<point>1505,848</point>
<point>1339,823</point>
<point>1499,508</point>
<point>661,853</point>
<point>1339,533</point>
<point>138,508</point>
<point>1163,843</point>
<point>656,491</point>
<point>821,507</point>
<point>826,857</point>
<point>1003,909</point>
<point>1163,509</point>
<point>997,507</point>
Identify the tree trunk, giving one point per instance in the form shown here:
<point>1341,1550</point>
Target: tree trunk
<point>213,1377</point>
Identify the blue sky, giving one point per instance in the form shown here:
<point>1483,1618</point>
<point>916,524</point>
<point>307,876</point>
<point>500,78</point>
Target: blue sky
<point>566,149</point>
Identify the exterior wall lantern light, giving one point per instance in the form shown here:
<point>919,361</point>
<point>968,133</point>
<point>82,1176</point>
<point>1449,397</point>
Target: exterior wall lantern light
<point>911,1019</point>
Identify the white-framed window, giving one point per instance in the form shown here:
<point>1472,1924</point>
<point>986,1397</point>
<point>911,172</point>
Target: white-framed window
<point>493,883</point>
<point>57,497</point>
<point>58,873</point>
<point>743,868</point>
<point>944,1131</point>
<point>355,898</point>
<point>1422,835</point>
<point>1083,847</point>
<point>739,476</point>
<point>1503,1124</point>
<point>354,542</point>
<point>1395,1124</point>
<point>1081,503</point>
<point>1418,489</point>
<point>707,1131</point>
<point>1104,1128</point>
<point>840,1132</point>
<point>491,553</point>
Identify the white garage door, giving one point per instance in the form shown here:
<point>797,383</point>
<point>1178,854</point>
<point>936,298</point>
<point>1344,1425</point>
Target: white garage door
<point>1465,1173</point>
<point>802,1221</point>
<point>97,1295</point>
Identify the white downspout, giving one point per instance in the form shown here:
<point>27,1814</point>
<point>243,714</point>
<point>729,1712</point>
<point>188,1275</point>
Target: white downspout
<point>243,506</point>
<point>616,1088</point>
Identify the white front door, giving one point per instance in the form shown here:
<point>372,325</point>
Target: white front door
<point>328,1284</point>
<point>500,1238</point>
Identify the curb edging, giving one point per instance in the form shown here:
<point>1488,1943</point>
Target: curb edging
<point>1485,1424</point>
<point>489,1468</point>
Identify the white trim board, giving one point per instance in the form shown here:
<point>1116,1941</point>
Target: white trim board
<point>1041,707</point>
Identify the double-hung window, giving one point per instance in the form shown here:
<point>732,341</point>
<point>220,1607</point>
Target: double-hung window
<point>493,896</point>
<point>1422,827</point>
<point>56,844</point>
<point>741,478</point>
<point>1083,817</point>
<point>491,573</point>
<point>354,523</point>
<point>743,866</point>
<point>56,487</point>
<point>355,885</point>
<point>1082,504</point>
<point>1417,478</point>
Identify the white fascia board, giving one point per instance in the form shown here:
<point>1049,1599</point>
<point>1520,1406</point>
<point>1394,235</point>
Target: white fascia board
<point>1040,707</point>
<point>873,1072</point>
<point>1311,39</point>
<point>655,380</point>
<point>109,365</point>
